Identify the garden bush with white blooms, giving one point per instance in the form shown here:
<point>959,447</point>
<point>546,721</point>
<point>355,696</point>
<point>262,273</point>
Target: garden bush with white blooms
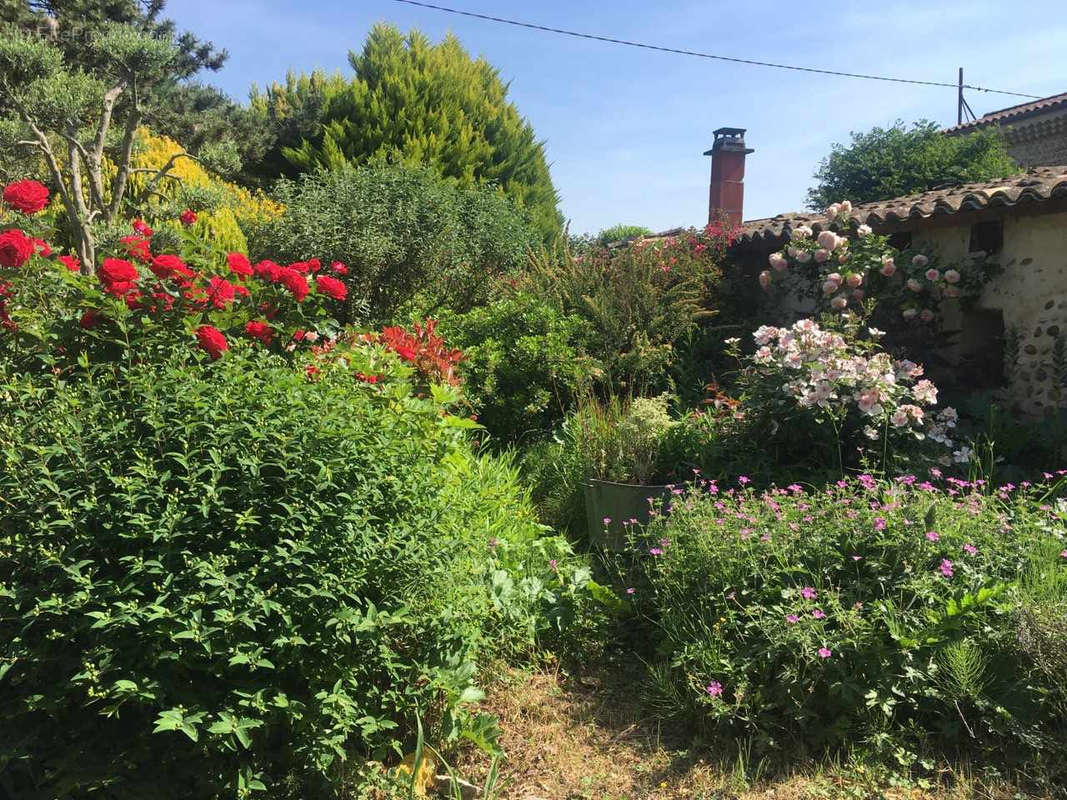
<point>803,378</point>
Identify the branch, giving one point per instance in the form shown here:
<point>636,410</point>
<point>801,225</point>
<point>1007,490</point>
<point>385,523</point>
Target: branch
<point>119,186</point>
<point>96,188</point>
<point>75,177</point>
<point>111,96</point>
<point>162,172</point>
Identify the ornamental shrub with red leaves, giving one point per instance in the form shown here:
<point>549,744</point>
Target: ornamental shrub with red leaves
<point>424,349</point>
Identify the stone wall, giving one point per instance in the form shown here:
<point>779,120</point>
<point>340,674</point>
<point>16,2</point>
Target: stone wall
<point>1039,142</point>
<point>1031,296</point>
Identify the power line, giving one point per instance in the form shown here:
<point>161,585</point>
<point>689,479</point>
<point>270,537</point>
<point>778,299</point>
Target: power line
<point>697,54</point>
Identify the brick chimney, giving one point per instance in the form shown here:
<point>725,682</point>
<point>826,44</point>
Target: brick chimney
<point>727,194</point>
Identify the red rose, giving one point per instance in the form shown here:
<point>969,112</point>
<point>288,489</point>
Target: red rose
<point>259,330</point>
<point>118,277</point>
<point>136,247</point>
<point>90,319</point>
<point>331,287</point>
<point>141,227</point>
<point>29,197</point>
<point>15,248</point>
<point>188,217</point>
<point>71,263</point>
<point>339,268</point>
<point>299,334</point>
<point>239,264</point>
<point>267,271</point>
<point>167,266</point>
<point>314,264</point>
<point>221,293</point>
<point>211,340</point>
<point>294,282</point>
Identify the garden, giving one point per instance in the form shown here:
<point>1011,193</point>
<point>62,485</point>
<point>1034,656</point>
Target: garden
<point>332,476</point>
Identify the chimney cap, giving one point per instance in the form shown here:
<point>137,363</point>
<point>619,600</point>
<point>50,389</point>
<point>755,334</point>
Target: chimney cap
<point>730,139</point>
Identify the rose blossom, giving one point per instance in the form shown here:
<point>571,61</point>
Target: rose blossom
<point>920,261</point>
<point>829,287</point>
<point>909,313</point>
<point>888,266</point>
<point>914,285</point>
<point>15,248</point>
<point>926,315</point>
<point>932,274</point>
<point>839,303</point>
<point>778,262</point>
<point>211,340</point>
<point>27,197</point>
<point>952,291</point>
<point>822,255</point>
<point>188,217</point>
<point>827,240</point>
<point>765,279</point>
<point>952,276</point>
<point>854,280</point>
<point>803,256</point>
<point>863,231</point>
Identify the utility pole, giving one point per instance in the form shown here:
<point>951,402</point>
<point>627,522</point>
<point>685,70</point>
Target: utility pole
<point>959,99</point>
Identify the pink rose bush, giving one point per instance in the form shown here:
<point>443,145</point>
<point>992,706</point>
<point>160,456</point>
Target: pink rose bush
<point>847,384</point>
<point>847,269</point>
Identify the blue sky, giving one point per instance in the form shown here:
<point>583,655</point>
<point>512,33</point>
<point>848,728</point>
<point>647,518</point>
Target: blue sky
<point>625,128</point>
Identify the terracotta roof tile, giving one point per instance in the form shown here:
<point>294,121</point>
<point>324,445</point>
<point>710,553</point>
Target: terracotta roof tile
<point>1038,184</point>
<point>1013,114</point>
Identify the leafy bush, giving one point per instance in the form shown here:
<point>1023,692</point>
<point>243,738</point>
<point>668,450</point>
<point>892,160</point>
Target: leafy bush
<point>523,365</point>
<point>621,232</point>
<point>871,614</point>
<point>639,302</point>
<point>413,242</point>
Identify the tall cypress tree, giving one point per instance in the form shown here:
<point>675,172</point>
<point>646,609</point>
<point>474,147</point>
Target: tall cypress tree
<point>415,102</point>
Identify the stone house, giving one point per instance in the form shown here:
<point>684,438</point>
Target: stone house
<point>1014,338</point>
<point>1036,132</point>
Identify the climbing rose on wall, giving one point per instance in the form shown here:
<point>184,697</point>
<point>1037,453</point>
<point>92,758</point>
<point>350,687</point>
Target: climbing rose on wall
<point>27,197</point>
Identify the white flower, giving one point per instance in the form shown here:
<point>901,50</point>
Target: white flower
<point>952,276</point>
<point>803,256</point>
<point>909,313</point>
<point>920,261</point>
<point>863,231</point>
<point>833,210</point>
<point>875,333</point>
<point>839,303</point>
<point>827,240</point>
<point>962,455</point>
<point>732,341</point>
<point>800,232</point>
<point>924,392</point>
<point>899,418</point>
<point>914,285</point>
<point>870,432</point>
<point>778,262</point>
<point>846,207</point>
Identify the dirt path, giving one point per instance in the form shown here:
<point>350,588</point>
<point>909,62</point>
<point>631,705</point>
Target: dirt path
<point>587,741</point>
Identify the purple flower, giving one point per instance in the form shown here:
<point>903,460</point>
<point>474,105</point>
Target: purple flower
<point>817,613</point>
<point>664,543</point>
<point>970,549</point>
<point>856,558</point>
<point>946,568</point>
<point>631,590</point>
<point>808,593</point>
<point>607,520</point>
<point>825,652</point>
<point>552,565</point>
<point>744,479</point>
<point>879,523</point>
<point>714,689</point>
<point>655,551</point>
<point>932,536</point>
<point>1063,554</point>
<point>792,619</point>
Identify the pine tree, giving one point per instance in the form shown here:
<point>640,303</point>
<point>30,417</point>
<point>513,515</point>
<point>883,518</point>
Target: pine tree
<point>415,102</point>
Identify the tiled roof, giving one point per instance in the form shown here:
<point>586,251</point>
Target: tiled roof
<point>1006,116</point>
<point>1036,185</point>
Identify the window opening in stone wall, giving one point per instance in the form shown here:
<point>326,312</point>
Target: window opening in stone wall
<point>987,237</point>
<point>901,240</point>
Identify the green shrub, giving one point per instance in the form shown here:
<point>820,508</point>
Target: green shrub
<point>220,574</point>
<point>866,615</point>
<point>523,364</point>
<point>412,241</point>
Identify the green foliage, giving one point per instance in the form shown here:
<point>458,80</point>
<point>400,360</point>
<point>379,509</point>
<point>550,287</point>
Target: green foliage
<point>865,615</point>
<point>413,242</point>
<point>523,364</point>
<point>225,577</point>
<point>417,103</point>
<point>638,302</point>
<point>620,233</point>
<point>889,162</point>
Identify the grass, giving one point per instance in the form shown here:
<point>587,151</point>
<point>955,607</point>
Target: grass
<point>588,738</point>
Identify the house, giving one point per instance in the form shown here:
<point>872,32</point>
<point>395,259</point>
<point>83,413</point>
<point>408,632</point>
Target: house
<point>1014,337</point>
<point>1036,132</point>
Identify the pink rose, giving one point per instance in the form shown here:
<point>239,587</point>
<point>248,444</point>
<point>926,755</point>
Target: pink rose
<point>888,267</point>
<point>914,285</point>
<point>822,254</point>
<point>932,274</point>
<point>926,315</point>
<point>854,280</point>
<point>827,240</point>
<point>952,276</point>
<point>920,261</point>
<point>838,303</point>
